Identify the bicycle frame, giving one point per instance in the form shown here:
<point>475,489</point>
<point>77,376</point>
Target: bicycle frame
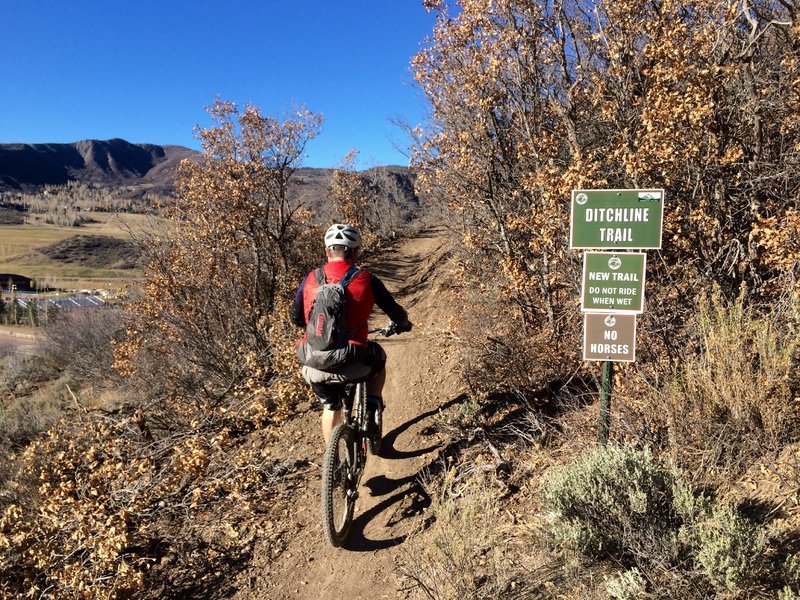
<point>345,459</point>
<point>355,416</point>
<point>346,455</point>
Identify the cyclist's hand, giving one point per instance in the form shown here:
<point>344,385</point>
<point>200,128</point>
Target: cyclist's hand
<point>403,327</point>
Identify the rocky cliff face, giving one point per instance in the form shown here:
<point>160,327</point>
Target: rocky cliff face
<point>111,162</point>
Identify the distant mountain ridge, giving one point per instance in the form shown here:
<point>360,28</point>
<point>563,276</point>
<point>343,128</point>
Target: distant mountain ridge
<point>111,162</point>
<point>142,168</point>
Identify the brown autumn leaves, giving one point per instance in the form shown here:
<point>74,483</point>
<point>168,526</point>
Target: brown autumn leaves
<point>532,100</point>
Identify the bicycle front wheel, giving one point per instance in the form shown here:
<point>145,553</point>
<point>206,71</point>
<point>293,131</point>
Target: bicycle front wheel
<point>339,483</point>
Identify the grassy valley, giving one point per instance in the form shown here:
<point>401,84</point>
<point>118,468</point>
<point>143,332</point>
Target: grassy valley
<point>31,249</point>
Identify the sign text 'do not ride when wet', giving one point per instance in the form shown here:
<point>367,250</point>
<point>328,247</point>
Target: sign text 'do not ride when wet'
<point>613,282</point>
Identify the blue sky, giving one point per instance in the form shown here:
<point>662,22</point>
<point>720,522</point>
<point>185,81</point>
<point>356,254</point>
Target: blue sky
<point>146,70</point>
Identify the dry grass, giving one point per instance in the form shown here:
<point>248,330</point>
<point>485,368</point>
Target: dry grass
<point>17,239</point>
<point>734,401</point>
<point>471,549</point>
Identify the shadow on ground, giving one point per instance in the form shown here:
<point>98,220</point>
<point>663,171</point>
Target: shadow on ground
<point>407,497</point>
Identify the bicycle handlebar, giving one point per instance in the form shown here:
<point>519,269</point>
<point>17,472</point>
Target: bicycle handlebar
<point>390,329</point>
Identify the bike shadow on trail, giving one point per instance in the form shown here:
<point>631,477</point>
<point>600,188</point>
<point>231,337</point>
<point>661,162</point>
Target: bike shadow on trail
<point>388,449</point>
<point>407,492</point>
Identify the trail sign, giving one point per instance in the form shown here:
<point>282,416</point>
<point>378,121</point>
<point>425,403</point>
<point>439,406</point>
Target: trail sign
<point>609,337</point>
<point>613,282</point>
<point>616,219</point>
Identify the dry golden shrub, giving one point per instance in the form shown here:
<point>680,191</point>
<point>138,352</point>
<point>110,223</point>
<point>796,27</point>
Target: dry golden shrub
<point>530,102</point>
<point>99,509</point>
<point>350,192</point>
<point>149,497</point>
<point>209,331</point>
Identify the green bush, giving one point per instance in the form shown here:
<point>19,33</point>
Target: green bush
<point>628,585</point>
<point>689,506</point>
<point>788,593</point>
<point>731,549</point>
<point>615,501</point>
<point>791,568</point>
<point>618,502</point>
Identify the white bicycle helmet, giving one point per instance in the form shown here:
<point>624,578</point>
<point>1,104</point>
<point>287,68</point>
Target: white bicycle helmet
<point>341,234</point>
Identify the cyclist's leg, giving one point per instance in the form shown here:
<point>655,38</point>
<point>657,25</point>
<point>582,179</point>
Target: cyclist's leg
<point>375,384</point>
<point>330,396</point>
<point>330,419</point>
<point>376,360</point>
<point>327,387</point>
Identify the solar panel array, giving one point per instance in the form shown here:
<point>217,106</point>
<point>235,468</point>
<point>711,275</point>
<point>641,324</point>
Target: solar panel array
<point>62,303</point>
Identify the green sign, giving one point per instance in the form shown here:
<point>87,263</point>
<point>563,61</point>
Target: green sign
<point>609,337</point>
<point>616,219</point>
<point>613,282</point>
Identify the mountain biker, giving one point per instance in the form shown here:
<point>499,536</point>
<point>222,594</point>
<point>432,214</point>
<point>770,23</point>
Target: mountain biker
<point>364,358</point>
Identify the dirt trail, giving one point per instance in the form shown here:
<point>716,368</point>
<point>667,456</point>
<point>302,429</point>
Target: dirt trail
<point>17,340</point>
<point>18,333</point>
<point>391,498</point>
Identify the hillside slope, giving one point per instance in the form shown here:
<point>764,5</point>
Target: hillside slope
<point>117,163</point>
<point>421,380</point>
<point>108,163</point>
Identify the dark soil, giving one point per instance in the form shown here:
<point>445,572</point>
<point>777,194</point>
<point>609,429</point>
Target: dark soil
<point>95,251</point>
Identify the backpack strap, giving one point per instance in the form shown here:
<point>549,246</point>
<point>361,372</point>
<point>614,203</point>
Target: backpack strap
<point>351,273</point>
<point>349,276</point>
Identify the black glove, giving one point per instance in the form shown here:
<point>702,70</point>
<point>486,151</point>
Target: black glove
<point>403,327</point>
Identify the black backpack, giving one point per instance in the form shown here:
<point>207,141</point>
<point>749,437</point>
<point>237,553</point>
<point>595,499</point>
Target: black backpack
<point>327,327</point>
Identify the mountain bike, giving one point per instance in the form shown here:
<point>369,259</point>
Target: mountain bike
<point>346,456</point>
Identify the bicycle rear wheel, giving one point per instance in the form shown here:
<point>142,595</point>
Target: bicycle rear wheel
<point>339,483</point>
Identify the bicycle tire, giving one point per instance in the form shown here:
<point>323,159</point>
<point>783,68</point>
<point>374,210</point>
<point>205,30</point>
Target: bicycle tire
<point>339,481</point>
